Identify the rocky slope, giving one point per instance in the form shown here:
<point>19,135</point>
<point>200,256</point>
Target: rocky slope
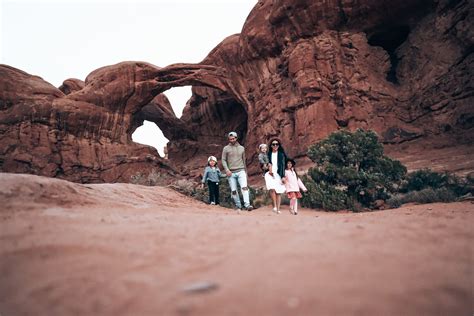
<point>299,70</point>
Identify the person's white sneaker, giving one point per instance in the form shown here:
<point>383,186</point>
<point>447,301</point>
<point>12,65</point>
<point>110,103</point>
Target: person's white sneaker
<point>275,210</point>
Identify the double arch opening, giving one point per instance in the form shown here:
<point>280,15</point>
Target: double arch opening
<point>213,109</point>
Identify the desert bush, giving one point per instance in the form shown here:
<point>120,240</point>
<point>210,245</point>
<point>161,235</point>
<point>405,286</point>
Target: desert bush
<point>427,195</point>
<point>426,178</point>
<point>351,172</point>
<point>470,179</point>
<point>321,195</point>
<point>427,186</point>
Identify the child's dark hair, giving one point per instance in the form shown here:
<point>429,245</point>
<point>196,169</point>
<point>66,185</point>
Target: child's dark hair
<point>293,164</point>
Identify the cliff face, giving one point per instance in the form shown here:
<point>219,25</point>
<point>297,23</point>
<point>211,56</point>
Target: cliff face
<point>299,70</point>
<point>307,68</point>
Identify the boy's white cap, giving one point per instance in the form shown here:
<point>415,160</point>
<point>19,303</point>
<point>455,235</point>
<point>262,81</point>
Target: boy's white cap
<point>232,134</point>
<point>211,158</point>
<point>261,145</point>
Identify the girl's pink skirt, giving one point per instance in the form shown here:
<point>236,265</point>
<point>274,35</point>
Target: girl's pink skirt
<point>294,195</point>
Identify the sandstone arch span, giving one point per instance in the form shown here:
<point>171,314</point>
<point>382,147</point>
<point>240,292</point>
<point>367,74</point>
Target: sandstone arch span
<point>83,131</point>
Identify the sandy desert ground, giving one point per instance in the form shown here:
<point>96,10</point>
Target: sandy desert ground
<point>122,249</point>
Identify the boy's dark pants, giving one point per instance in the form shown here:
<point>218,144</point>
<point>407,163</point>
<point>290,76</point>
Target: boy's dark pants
<point>213,191</point>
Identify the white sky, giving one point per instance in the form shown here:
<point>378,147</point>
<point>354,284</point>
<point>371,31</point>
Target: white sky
<point>61,39</point>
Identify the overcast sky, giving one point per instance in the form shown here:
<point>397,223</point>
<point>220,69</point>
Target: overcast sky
<point>63,39</point>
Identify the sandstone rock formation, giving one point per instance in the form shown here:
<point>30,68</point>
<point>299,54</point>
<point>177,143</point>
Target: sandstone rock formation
<point>308,68</point>
<point>71,85</point>
<point>83,136</point>
<point>299,70</point>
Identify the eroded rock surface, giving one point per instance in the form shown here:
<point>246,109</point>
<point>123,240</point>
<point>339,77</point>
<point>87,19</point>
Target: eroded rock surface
<point>84,136</point>
<point>299,70</point>
<point>306,68</point>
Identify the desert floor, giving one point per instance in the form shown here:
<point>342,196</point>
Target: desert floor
<point>122,249</point>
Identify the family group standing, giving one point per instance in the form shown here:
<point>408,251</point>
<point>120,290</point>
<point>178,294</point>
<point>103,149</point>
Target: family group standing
<point>279,173</point>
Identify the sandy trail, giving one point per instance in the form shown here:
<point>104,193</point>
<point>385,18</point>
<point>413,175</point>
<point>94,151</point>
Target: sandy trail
<point>121,249</point>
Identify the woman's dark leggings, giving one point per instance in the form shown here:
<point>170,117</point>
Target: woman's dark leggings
<point>213,191</point>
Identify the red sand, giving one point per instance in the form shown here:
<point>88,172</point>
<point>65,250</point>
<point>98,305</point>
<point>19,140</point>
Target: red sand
<point>122,249</point>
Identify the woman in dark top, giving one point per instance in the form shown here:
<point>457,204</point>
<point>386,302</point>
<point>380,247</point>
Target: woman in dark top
<point>274,178</point>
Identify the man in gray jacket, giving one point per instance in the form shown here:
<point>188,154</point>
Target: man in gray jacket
<point>233,161</point>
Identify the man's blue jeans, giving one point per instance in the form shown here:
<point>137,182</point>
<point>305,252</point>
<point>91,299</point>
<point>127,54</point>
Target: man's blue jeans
<point>241,178</point>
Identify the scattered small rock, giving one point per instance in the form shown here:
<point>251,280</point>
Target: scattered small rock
<point>200,287</point>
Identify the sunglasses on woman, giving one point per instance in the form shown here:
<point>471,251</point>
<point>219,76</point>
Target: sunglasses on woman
<point>275,144</point>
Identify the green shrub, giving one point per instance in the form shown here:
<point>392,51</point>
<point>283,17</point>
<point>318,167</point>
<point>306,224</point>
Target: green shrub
<point>351,172</point>
<point>470,179</point>
<point>427,186</point>
<point>427,195</point>
<point>321,195</point>
<point>426,178</point>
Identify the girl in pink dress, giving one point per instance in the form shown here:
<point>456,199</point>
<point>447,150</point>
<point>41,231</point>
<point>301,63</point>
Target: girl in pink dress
<point>293,185</point>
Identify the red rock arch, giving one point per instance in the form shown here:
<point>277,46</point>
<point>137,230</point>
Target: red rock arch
<point>84,133</point>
